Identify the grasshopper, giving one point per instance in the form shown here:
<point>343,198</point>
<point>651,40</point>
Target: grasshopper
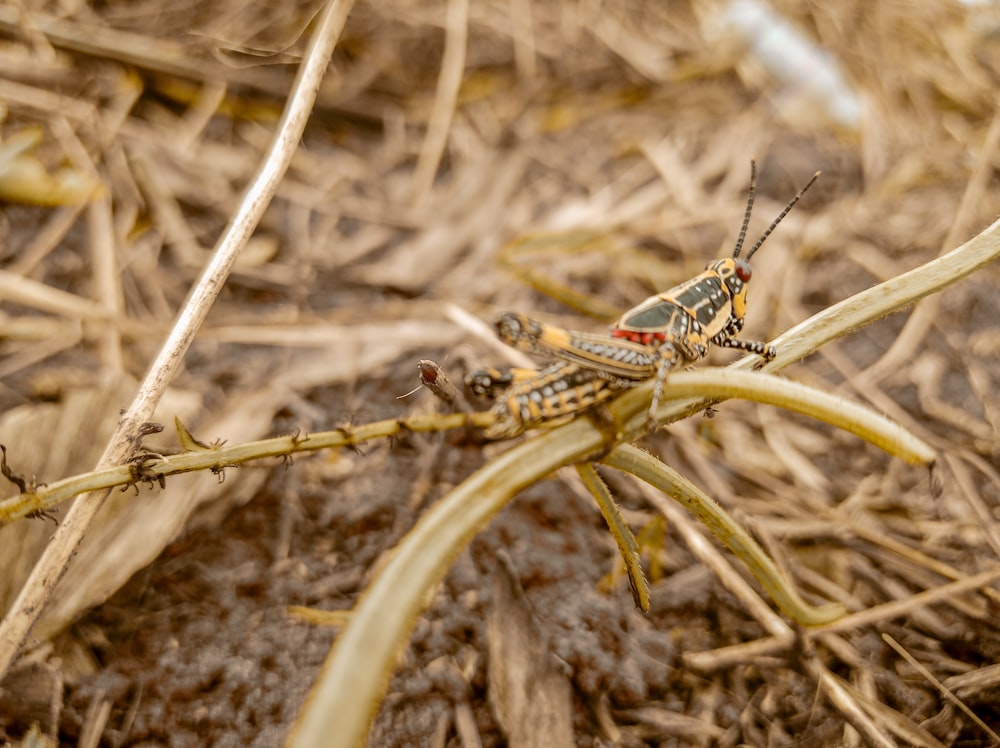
<point>670,329</point>
<point>525,398</point>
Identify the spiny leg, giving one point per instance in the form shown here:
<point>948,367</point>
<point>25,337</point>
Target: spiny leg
<point>750,346</point>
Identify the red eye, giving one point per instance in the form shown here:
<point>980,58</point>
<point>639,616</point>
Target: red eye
<point>743,271</point>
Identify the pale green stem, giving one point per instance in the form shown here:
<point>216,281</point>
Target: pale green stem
<point>643,465</point>
<point>627,544</point>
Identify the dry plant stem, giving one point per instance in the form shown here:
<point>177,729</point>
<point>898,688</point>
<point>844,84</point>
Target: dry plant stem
<point>707,383</point>
<point>897,608</point>
<point>902,727</point>
<point>487,334</point>
<point>627,544</point>
<point>784,393</point>
<point>724,657</point>
<point>942,689</point>
<point>346,694</point>
<point>857,311</point>
<point>30,293</point>
<point>523,38</point>
<point>226,456</point>
<point>160,55</point>
<point>449,82</point>
<point>517,258</point>
<point>45,240</point>
<point>643,465</point>
<point>971,493</point>
<point>51,566</point>
<point>841,698</point>
<point>102,246</point>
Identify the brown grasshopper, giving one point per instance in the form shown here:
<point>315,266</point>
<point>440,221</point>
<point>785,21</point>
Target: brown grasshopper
<point>671,329</point>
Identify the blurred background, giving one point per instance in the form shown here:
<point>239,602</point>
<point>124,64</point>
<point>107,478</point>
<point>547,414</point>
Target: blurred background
<point>564,159</point>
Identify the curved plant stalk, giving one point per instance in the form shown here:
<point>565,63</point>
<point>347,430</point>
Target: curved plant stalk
<point>347,692</point>
<point>885,298</point>
<point>631,459</point>
<point>859,310</point>
<point>628,546</point>
<point>712,383</point>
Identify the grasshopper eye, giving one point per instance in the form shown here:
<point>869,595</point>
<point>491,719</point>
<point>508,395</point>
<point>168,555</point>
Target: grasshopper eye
<point>743,271</point>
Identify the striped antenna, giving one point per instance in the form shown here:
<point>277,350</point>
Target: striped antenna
<point>777,220</point>
<point>746,216</point>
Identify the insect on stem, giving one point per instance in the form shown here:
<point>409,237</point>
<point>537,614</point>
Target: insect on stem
<point>671,329</point>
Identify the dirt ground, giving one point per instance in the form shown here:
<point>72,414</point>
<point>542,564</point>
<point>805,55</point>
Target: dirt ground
<point>618,139</point>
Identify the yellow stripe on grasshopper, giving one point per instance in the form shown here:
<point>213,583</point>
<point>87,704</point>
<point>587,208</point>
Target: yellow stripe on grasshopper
<point>613,359</point>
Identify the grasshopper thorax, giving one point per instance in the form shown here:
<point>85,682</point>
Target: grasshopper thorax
<point>712,303</point>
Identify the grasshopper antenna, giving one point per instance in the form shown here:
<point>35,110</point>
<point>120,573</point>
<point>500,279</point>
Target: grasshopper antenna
<point>782,214</point>
<point>746,216</point>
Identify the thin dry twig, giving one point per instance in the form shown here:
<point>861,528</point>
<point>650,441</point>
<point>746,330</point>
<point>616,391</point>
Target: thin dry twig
<point>28,606</point>
<point>727,656</point>
<point>614,188</point>
<point>847,706</point>
<point>449,81</point>
<point>944,690</point>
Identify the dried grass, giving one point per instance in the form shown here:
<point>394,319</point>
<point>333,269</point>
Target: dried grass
<point>446,130</point>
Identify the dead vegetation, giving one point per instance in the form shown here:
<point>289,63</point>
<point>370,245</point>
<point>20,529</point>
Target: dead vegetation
<point>619,137</point>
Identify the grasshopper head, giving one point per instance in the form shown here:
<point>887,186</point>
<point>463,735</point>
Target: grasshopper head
<point>735,274</point>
